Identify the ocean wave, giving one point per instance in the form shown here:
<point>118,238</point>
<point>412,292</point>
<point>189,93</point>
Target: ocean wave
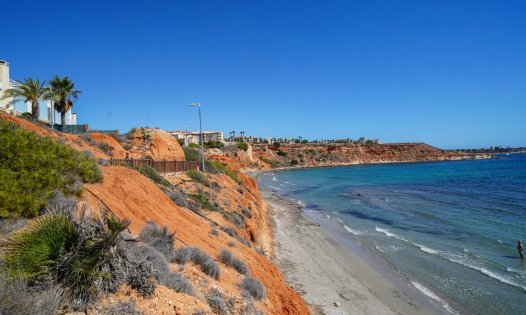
<point>398,237</point>
<point>434,297</point>
<point>467,263</point>
<point>388,233</point>
<point>455,258</point>
<point>426,249</point>
<point>339,220</point>
<point>352,231</point>
<point>513,270</point>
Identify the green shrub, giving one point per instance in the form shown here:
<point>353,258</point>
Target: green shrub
<point>216,167</point>
<point>31,251</point>
<point>194,145</point>
<point>192,154</point>
<point>281,153</point>
<point>242,146</point>
<point>203,199</point>
<point>294,162</point>
<point>214,144</point>
<point>311,151</point>
<point>181,142</point>
<point>33,167</point>
<point>198,177</point>
<point>72,251</point>
<point>152,174</point>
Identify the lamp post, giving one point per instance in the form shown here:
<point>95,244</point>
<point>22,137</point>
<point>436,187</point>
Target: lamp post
<point>198,105</point>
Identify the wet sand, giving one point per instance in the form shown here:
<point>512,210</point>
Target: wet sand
<point>332,278</point>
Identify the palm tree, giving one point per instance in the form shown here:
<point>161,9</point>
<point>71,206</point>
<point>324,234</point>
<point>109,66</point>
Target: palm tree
<point>29,90</point>
<point>62,92</point>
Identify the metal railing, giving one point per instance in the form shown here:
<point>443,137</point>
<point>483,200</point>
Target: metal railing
<point>72,128</point>
<point>159,166</point>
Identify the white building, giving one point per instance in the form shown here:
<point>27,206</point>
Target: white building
<point>19,108</point>
<point>193,136</point>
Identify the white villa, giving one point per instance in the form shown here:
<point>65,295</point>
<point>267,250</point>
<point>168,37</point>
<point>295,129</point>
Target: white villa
<point>19,108</point>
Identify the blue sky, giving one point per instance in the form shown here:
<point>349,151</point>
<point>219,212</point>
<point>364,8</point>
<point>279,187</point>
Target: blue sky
<point>449,73</point>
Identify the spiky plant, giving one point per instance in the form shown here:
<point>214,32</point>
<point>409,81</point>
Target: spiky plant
<point>33,250</point>
<point>29,90</point>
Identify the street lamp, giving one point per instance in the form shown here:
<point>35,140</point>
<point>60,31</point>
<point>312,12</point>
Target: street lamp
<point>198,105</point>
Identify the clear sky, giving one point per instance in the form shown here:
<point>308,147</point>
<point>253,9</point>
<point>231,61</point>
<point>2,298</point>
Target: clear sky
<point>449,73</point>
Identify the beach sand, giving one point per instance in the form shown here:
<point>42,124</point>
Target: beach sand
<point>332,278</point>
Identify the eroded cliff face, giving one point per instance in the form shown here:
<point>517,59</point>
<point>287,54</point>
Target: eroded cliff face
<point>141,143</point>
<point>313,155</point>
<point>237,221</point>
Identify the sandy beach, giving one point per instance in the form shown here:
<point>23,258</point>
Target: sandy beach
<point>332,278</point>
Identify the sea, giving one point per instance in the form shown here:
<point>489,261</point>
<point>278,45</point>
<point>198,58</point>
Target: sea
<point>451,228</point>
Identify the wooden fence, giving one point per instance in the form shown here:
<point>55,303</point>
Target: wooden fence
<point>159,166</point>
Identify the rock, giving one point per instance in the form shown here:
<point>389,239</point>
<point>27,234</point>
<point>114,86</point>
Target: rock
<point>337,304</point>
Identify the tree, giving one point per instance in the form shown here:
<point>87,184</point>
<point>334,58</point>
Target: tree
<point>29,90</point>
<point>62,92</point>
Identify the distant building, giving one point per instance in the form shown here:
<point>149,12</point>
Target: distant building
<point>193,136</point>
<point>19,108</point>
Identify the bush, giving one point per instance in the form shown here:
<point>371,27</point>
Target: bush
<point>198,177</point>
<point>16,297</point>
<point>236,218</point>
<point>242,146</point>
<point>203,199</point>
<point>74,251</point>
<point>200,258</point>
<point>247,213</point>
<point>281,153</point>
<point>216,301</point>
<point>228,259</point>
<point>191,154</point>
<point>32,168</point>
<point>229,231</point>
<point>231,244</point>
<point>103,162</point>
<point>159,238</point>
<point>123,308</point>
<point>214,232</point>
<point>9,225</point>
<point>214,144</point>
<point>178,283</point>
<point>179,198</point>
<point>253,287</point>
<point>294,162</point>
<point>105,147</point>
<point>152,174</point>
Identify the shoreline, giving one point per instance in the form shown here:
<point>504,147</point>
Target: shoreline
<point>289,168</point>
<point>333,275</point>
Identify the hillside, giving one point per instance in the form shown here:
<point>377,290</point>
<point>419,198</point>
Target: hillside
<point>209,214</point>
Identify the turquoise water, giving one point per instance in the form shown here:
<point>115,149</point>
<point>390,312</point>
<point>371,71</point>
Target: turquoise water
<point>450,227</point>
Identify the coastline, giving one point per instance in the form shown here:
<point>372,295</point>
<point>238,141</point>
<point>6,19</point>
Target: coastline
<point>333,276</point>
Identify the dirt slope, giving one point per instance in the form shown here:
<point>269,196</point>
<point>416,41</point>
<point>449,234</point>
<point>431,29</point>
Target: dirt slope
<point>127,193</point>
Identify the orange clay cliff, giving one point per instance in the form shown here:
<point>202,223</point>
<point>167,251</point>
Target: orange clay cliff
<point>235,218</point>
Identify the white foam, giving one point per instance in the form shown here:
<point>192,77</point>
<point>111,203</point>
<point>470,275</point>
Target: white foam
<point>427,249</point>
<point>339,220</point>
<point>352,231</point>
<point>486,272</point>
<point>274,179</point>
<point>434,297</point>
<point>386,232</point>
